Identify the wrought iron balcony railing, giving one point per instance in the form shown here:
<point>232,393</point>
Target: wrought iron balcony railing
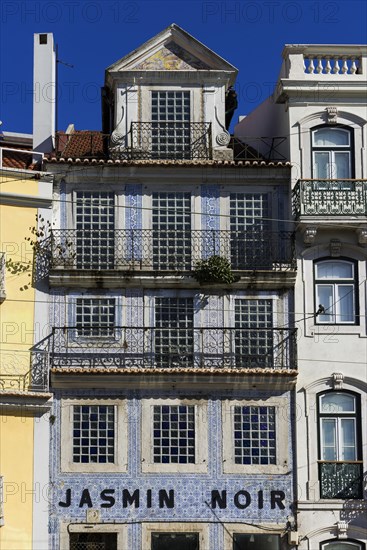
<point>330,198</point>
<point>160,250</point>
<point>165,141</point>
<point>126,347</point>
<point>341,479</point>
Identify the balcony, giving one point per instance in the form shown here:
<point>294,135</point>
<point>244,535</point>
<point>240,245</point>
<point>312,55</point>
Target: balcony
<point>342,480</point>
<point>138,250</point>
<point>146,347</point>
<point>317,198</point>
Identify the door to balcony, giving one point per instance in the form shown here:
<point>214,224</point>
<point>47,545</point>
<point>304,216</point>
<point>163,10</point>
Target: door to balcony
<point>171,125</point>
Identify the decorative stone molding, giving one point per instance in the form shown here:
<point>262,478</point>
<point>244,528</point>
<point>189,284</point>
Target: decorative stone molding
<point>335,248</point>
<point>341,529</point>
<point>93,516</point>
<point>338,379</point>
<point>309,235</point>
<point>223,138</point>
<point>362,236</point>
<point>332,115</point>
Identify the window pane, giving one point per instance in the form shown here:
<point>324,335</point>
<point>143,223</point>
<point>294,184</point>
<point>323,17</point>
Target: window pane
<point>175,541</point>
<point>249,541</point>
<point>328,439</point>
<point>174,434</point>
<point>348,439</point>
<point>254,435</point>
<point>337,402</point>
<point>329,137</point>
<point>340,168</point>
<point>93,434</point>
<point>324,297</point>
<point>322,164</point>
<point>334,270</point>
<point>345,304</point>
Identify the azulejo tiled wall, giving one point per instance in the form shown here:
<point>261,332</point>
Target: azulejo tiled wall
<point>192,492</point>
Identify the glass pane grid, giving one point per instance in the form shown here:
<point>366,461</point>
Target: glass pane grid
<point>252,343</point>
<point>95,224</point>
<point>171,124</point>
<point>171,231</point>
<point>93,434</point>
<point>254,435</point>
<point>174,434</point>
<point>174,331</point>
<point>95,316</point>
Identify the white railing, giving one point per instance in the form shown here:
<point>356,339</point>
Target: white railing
<point>327,64</point>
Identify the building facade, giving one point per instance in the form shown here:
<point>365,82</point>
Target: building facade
<point>25,198</point>
<point>172,352</point>
<point>320,102</point>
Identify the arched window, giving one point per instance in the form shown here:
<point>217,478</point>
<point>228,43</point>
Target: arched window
<point>340,467</point>
<point>335,291</point>
<point>341,545</point>
<point>332,153</point>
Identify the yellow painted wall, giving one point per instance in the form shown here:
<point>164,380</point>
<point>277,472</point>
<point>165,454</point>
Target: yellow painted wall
<point>16,467</point>
<point>17,336</point>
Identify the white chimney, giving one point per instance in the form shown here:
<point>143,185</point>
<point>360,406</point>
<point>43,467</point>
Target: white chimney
<point>44,93</point>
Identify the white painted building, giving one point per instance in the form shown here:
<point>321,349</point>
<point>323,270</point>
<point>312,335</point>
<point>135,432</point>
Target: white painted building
<point>320,103</point>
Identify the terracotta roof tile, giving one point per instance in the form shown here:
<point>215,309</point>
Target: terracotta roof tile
<point>81,143</point>
<point>20,161</point>
<point>178,370</point>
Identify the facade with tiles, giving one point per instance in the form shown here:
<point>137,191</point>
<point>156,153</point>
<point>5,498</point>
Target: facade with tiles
<point>172,350</point>
<point>320,101</point>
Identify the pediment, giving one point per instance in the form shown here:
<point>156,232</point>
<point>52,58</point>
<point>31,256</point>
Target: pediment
<point>172,50</point>
<point>171,57</point>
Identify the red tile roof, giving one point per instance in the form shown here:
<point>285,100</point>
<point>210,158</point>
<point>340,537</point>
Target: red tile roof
<point>81,143</point>
<point>21,161</point>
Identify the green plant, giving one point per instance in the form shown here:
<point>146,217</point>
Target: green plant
<point>214,269</point>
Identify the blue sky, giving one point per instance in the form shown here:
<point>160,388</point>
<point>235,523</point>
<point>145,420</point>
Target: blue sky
<point>91,35</point>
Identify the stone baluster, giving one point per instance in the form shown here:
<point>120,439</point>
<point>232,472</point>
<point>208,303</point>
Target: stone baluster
<point>345,65</point>
<point>319,67</point>
<point>336,68</point>
<point>353,67</point>
<point>311,66</point>
<point>327,65</point>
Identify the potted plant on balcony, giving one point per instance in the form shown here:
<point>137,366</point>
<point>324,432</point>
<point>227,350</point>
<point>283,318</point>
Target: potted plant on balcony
<point>214,269</point>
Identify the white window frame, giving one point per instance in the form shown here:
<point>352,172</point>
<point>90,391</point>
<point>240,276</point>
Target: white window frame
<point>201,437</point>
<point>331,150</point>
<point>282,415</point>
<point>335,283</point>
<point>121,437</point>
<point>160,527</point>
<point>352,545</point>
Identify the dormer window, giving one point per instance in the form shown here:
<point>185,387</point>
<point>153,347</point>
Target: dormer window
<point>171,125</point>
<point>331,153</point>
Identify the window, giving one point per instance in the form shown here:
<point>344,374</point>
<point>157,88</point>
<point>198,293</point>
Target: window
<point>331,148</point>
<point>93,541</point>
<point>174,434</point>
<point>93,435</point>
<point>255,436</point>
<point>171,231</point>
<point>248,541</point>
<point>174,319</point>
<point>253,333</point>
<point>335,291</point>
<point>95,317</point>
<point>171,125</point>
<point>95,224</point>
<point>340,467</point>
<point>178,541</point>
<point>174,437</point>
<point>342,545</point>
<point>250,237</point>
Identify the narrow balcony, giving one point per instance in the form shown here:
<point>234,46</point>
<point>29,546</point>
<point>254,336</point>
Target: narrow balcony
<point>164,348</point>
<point>341,480</point>
<point>319,200</point>
<point>138,250</point>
